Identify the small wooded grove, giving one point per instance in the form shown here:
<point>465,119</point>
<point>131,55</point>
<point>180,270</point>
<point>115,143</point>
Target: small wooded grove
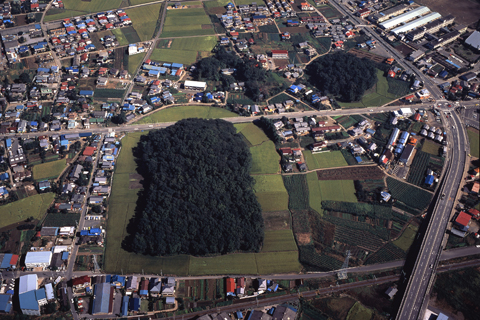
<point>343,75</point>
<point>198,196</point>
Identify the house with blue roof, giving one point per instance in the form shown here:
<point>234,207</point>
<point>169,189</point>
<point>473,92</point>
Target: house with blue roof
<point>294,89</point>
<point>153,73</point>
<point>4,176</point>
<point>117,281</point>
<point>28,303</point>
<point>3,193</point>
<point>41,296</point>
<point>8,143</point>
<point>5,303</point>
<point>103,295</point>
<point>155,100</point>
<point>86,93</point>
<point>22,49</point>
<point>135,304</point>
<point>429,180</point>
<point>125,301</point>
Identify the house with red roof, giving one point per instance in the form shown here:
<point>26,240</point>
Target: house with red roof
<point>230,287</point>
<point>462,221</point>
<point>89,151</point>
<point>81,282</point>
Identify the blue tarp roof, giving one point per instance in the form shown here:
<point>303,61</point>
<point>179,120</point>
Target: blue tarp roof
<point>135,304</point>
<point>64,255</point>
<point>40,294</point>
<point>34,123</point>
<point>28,301</point>
<point>37,26</point>
<point>429,179</point>
<point>8,142</point>
<point>177,65</point>
<point>86,92</point>
<point>6,261</point>
<point>359,160</point>
<point>64,142</point>
<point>4,176</point>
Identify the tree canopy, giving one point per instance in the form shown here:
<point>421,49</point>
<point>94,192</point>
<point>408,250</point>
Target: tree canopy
<point>198,196</point>
<point>343,75</point>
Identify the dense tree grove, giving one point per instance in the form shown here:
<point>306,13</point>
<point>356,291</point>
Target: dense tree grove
<point>257,80</point>
<point>343,75</point>
<point>198,195</point>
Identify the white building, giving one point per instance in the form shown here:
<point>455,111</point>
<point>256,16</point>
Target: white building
<point>132,49</point>
<point>38,259</point>
<point>407,16</point>
<point>195,85</point>
<point>27,283</point>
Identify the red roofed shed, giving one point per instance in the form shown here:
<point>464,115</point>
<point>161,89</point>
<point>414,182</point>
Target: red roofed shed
<point>463,218</point>
<point>89,151</point>
<point>230,285</point>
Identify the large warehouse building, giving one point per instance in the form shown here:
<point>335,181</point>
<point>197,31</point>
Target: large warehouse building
<point>385,14</point>
<point>430,27</point>
<point>417,23</point>
<point>407,16</point>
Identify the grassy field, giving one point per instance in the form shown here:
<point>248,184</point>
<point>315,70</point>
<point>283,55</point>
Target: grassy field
<point>216,3</point>
<point>144,19</point>
<point>265,158</point>
<point>76,8</point>
<point>49,170</point>
<point>473,136</point>
<point>34,206</point>
<point>324,160</point>
<point>336,190</point>
<point>184,112</point>
<point>134,61</point>
<point>271,192</point>
<point>187,22</point>
<point>431,147</point>
<point>373,98</point>
<point>252,133</point>
<point>120,37</point>
<point>122,208</point>
<point>135,2</point>
<point>359,312</point>
<point>406,239</point>
<point>279,240</point>
<point>185,50</point>
<point>171,55</point>
<point>131,34</point>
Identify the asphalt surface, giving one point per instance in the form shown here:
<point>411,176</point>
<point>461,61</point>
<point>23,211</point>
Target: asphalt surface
<point>420,281</point>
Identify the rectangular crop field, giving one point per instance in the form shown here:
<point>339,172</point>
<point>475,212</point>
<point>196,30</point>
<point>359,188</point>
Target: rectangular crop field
<point>130,34</point>
<point>408,194</point>
<point>76,8</point>
<point>324,160</point>
<point>431,147</point>
<point>184,112</point>
<point>277,262</point>
<point>61,219</point>
<point>134,61</point>
<point>265,158</point>
<point>187,22</point>
<point>335,190</point>
<point>122,40</point>
<point>406,239</point>
<point>49,170</point>
<point>178,56</point>
<point>271,192</point>
<point>144,19</point>
<point>279,240</point>
<point>473,136</point>
<point>252,133</point>
<point>34,206</point>
<point>216,3</point>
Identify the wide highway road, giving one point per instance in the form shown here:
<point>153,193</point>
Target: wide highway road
<point>422,277</point>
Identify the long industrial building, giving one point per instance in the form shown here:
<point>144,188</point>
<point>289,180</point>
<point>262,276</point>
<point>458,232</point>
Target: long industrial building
<point>407,16</point>
<point>385,14</point>
<point>417,23</point>
<point>430,27</point>
<point>445,39</point>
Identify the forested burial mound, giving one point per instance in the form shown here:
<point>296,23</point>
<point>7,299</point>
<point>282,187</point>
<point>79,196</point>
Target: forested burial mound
<point>198,196</point>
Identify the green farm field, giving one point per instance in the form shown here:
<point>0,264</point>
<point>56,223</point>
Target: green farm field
<point>271,192</point>
<point>473,136</point>
<point>144,19</point>
<point>122,40</point>
<point>184,112</point>
<point>187,22</point>
<point>431,147</point>
<point>279,240</point>
<point>359,312</point>
<point>252,133</point>
<point>335,190</point>
<point>34,206</point>
<point>170,55</point>
<point>122,209</point>
<point>324,160</point>
<point>377,96</point>
<point>216,3</point>
<point>75,8</point>
<point>130,34</point>
<point>265,158</point>
<point>135,2</point>
<point>406,239</point>
<point>134,61</point>
<point>49,170</point>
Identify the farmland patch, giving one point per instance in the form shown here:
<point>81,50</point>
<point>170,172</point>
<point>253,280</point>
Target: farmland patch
<point>34,206</point>
<point>324,160</point>
<point>144,19</point>
<point>185,112</point>
<point>49,170</point>
<point>408,194</point>
<point>351,173</point>
<point>186,22</point>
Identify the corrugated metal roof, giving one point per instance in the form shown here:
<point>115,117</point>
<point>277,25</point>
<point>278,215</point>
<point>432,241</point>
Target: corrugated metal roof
<point>417,23</point>
<point>102,298</point>
<point>28,301</point>
<point>404,17</point>
<point>27,283</point>
<point>38,257</point>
